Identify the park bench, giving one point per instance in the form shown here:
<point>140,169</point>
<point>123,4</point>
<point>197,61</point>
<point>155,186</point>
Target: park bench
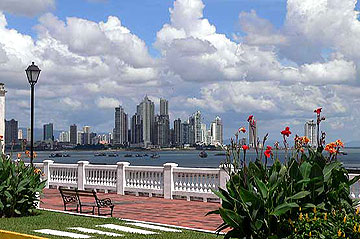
<point>74,197</point>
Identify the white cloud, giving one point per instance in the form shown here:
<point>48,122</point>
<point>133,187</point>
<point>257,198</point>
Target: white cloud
<point>27,8</point>
<point>107,102</point>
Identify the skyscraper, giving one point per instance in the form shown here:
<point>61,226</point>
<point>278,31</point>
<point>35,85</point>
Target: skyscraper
<point>136,129</point>
<point>64,137</point>
<point>178,136</point>
<point>121,126</point>
<point>11,132</point>
<point>146,111</point>
<point>162,125</point>
<point>85,138</point>
<point>73,134</point>
<point>79,137</point>
<point>195,136</point>
<point>217,131</point>
<point>2,116</point>
<point>310,132</point>
<point>186,132</point>
<point>164,107</point>
<point>28,134</point>
<point>48,131</point>
<point>20,134</point>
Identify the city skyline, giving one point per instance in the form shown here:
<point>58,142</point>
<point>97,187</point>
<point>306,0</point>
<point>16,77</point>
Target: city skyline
<point>223,58</point>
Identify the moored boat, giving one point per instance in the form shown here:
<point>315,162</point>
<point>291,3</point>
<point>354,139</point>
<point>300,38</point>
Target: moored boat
<point>203,154</point>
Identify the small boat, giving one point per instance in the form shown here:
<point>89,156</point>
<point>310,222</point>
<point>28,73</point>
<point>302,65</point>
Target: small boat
<point>203,154</point>
<point>138,155</point>
<point>155,156</point>
<point>145,155</point>
<point>58,155</point>
<point>128,155</point>
<point>100,154</point>
<point>112,155</point>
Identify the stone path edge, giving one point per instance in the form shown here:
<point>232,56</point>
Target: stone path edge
<point>131,220</point>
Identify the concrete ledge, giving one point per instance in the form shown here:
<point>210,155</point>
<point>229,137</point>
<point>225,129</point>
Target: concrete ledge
<point>15,235</point>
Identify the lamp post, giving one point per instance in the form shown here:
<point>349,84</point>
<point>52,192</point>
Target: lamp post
<point>32,73</point>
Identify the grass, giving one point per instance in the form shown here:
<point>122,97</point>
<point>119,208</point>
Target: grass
<point>61,221</point>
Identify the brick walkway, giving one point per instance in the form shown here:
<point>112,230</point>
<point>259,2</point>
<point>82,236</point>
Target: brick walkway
<point>159,210</point>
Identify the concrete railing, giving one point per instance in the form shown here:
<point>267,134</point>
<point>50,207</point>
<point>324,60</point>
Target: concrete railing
<point>168,181</point>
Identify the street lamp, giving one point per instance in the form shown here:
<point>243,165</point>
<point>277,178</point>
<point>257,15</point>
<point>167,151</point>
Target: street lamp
<point>32,73</point>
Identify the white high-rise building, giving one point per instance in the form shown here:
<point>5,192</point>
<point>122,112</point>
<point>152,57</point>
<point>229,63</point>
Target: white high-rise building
<point>310,132</point>
<point>64,137</point>
<point>20,134</point>
<point>146,111</point>
<point>2,117</point>
<point>79,136</point>
<point>28,134</point>
<point>217,131</point>
<point>204,134</point>
<point>195,135</point>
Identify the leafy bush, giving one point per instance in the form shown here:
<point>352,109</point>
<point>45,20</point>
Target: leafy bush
<point>19,187</point>
<point>259,201</point>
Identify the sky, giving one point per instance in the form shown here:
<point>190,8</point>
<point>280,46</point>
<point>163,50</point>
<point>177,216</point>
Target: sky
<point>277,60</point>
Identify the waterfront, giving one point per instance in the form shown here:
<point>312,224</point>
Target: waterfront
<point>184,158</point>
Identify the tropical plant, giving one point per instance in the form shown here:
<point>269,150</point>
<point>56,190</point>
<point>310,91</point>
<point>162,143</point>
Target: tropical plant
<point>20,188</point>
<point>259,200</point>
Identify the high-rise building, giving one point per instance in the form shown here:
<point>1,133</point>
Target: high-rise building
<point>73,134</point>
<point>195,136</point>
<point>79,138</point>
<point>64,137</point>
<point>178,134</point>
<point>146,111</point>
<point>2,116</point>
<point>253,135</point>
<point>164,107</point>
<point>20,134</point>
<point>185,128</point>
<point>28,134</point>
<point>11,132</point>
<point>48,132</point>
<point>161,131</point>
<point>310,132</point>
<point>136,129</point>
<point>85,138</point>
<point>121,126</point>
<point>217,131</point>
<point>204,138</point>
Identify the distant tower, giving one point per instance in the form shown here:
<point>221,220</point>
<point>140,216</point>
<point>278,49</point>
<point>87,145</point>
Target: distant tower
<point>178,136</point>
<point>217,131</point>
<point>121,126</point>
<point>164,107</point>
<point>48,132</point>
<point>73,134</point>
<point>195,136</point>
<point>310,132</point>
<point>2,117</point>
<point>20,134</point>
<point>146,110</point>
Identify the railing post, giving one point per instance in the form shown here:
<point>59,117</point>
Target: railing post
<point>169,179</point>
<point>47,164</point>
<point>223,176</point>
<point>81,174</point>
<point>120,177</point>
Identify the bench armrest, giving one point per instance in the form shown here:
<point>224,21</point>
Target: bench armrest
<point>104,202</point>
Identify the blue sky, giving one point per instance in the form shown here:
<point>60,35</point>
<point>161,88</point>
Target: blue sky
<point>146,17</point>
<point>278,60</point>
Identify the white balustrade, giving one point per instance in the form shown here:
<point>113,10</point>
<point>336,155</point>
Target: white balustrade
<point>168,181</point>
<point>199,182</point>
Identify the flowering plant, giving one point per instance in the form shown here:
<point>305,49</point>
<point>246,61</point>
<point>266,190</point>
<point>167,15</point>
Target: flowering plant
<point>260,200</point>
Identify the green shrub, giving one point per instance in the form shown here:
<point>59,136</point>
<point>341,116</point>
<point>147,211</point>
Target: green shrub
<point>19,187</point>
<point>259,201</point>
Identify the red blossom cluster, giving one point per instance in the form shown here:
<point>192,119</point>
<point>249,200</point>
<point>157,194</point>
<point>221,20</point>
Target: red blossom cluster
<point>286,132</point>
<point>245,147</point>
<point>268,152</point>
<point>334,147</point>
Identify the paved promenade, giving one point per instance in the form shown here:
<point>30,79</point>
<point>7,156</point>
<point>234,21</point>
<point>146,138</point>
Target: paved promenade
<point>159,210</point>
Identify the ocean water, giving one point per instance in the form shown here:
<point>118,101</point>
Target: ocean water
<point>182,157</point>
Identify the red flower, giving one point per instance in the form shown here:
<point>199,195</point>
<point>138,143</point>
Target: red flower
<point>268,147</point>
<point>318,110</point>
<point>245,147</point>
<point>286,132</point>
<point>242,129</point>
<point>268,153</point>
<point>250,118</point>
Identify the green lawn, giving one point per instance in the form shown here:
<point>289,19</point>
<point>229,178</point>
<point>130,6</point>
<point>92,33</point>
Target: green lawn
<point>61,221</point>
